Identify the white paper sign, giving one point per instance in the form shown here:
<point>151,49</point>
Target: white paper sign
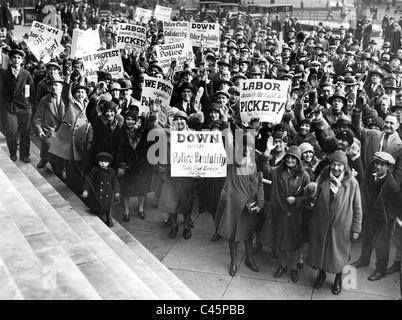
<point>105,60</point>
<point>131,36</point>
<point>182,52</point>
<point>142,15</point>
<point>158,90</point>
<point>204,33</point>
<point>263,99</point>
<point>84,42</point>
<point>197,154</point>
<point>44,41</point>
<point>162,13</point>
<point>176,31</point>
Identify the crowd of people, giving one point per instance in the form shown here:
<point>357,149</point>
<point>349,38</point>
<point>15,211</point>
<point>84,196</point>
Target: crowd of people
<point>329,174</point>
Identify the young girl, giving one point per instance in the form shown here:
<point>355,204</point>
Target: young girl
<point>102,184</point>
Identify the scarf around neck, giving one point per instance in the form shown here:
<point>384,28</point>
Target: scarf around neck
<point>335,183</point>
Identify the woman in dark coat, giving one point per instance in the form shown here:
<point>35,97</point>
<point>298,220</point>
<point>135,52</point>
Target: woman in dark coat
<point>336,220</point>
<point>287,201</point>
<point>243,186</point>
<point>135,172</point>
<point>107,129</point>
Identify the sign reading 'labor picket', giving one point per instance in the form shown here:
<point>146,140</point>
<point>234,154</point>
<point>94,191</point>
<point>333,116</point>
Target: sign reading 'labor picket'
<point>197,154</point>
<point>263,99</point>
<point>131,36</point>
<point>142,15</point>
<point>175,31</point>
<point>206,34</point>
<point>162,13</point>
<point>44,41</point>
<point>182,52</point>
<point>105,60</point>
<point>157,90</point>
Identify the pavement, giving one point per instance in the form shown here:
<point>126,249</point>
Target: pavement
<point>203,265</point>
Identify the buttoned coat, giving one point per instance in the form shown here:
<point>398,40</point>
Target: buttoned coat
<point>332,223</point>
<point>70,142</point>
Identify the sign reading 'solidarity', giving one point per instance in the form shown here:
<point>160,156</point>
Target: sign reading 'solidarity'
<point>106,60</point>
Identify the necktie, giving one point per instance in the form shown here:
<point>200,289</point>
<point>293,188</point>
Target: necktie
<point>385,143</point>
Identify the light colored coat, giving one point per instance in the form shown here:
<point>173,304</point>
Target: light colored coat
<point>332,224</point>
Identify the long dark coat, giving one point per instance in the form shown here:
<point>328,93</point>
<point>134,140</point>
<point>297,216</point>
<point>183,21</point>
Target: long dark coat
<point>284,227</point>
<point>106,138</point>
<point>233,222</point>
<point>332,224</point>
<point>101,185</point>
<point>136,181</point>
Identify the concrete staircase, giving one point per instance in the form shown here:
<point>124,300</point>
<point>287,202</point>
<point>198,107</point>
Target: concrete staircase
<point>51,247</point>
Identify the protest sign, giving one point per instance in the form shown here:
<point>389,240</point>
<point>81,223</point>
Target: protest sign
<point>182,52</point>
<point>263,99</point>
<point>206,34</point>
<point>176,31</point>
<point>197,154</point>
<point>131,36</point>
<point>142,15</point>
<point>157,90</point>
<point>162,13</point>
<point>44,41</point>
<point>84,42</point>
<point>105,60</point>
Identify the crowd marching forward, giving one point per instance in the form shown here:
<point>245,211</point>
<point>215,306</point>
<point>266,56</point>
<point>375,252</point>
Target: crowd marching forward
<point>329,174</point>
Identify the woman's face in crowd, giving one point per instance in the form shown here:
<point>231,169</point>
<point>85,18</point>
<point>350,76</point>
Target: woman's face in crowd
<point>337,168</point>
<point>304,129</point>
<point>214,115</point>
<point>308,156</point>
<point>343,144</point>
<point>280,145</point>
<point>290,161</point>
<point>80,94</point>
<point>186,95</point>
<point>110,114</point>
<point>350,104</point>
<point>180,123</point>
<point>337,104</point>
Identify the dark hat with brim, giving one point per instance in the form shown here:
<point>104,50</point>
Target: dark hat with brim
<point>225,93</point>
<point>78,87</point>
<point>186,85</point>
<point>337,95</point>
<point>125,85</point>
<point>56,79</point>
<point>53,64</point>
<point>214,107</point>
<point>104,156</point>
<point>17,52</point>
<point>155,65</point>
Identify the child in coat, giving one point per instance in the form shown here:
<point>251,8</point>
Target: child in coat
<point>101,185</point>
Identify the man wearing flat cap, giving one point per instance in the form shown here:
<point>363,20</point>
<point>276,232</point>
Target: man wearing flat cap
<point>384,202</point>
<point>17,95</point>
<point>52,69</point>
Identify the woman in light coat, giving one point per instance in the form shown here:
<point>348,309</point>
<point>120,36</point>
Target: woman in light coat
<point>243,186</point>
<point>336,220</point>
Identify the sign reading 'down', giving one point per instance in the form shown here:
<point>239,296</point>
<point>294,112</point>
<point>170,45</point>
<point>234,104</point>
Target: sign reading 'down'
<point>182,52</point>
<point>264,99</point>
<point>175,31</point>
<point>158,90</point>
<point>206,34</point>
<point>105,60</point>
<point>142,15</point>
<point>84,42</point>
<point>197,154</point>
<point>131,36</point>
<point>44,41</point>
<point>162,13</point>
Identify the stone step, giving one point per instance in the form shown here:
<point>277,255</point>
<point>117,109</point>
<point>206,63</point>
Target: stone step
<point>8,287</point>
<point>149,277</point>
<point>47,273</point>
<point>124,278</point>
<point>114,240</point>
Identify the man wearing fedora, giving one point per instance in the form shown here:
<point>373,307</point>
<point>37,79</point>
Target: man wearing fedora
<point>384,202</point>
<point>47,120</point>
<point>18,96</point>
